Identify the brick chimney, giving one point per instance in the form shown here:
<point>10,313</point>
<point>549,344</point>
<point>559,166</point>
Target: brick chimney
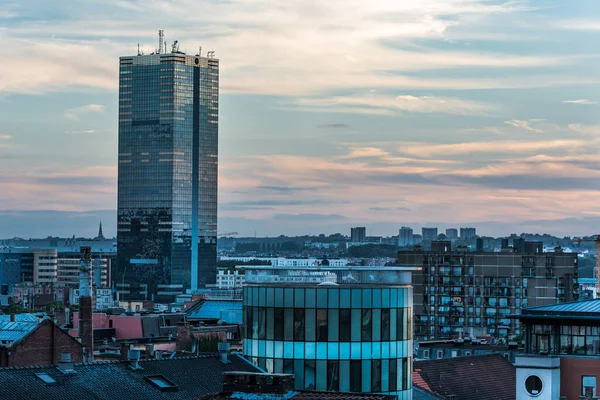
<point>86,330</point>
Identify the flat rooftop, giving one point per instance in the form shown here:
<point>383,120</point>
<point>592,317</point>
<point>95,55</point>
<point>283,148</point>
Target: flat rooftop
<point>324,275</point>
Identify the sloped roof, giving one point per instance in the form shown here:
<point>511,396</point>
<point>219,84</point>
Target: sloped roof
<point>588,306</point>
<point>115,380</point>
<point>486,377</point>
<point>589,309</point>
<point>12,333</point>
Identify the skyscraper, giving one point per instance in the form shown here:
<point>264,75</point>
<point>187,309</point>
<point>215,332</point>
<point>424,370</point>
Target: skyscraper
<point>167,180</point>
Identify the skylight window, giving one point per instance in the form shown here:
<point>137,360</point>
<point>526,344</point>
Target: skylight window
<point>45,377</point>
<point>161,383</point>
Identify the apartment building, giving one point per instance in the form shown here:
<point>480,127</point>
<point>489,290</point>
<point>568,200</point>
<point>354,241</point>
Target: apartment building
<point>472,293</point>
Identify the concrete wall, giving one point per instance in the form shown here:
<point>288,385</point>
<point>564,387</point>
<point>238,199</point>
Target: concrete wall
<point>546,368</point>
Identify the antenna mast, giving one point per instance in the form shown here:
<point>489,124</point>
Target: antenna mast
<point>161,35</point>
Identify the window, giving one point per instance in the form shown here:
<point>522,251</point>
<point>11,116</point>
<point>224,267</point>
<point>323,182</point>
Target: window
<point>321,325</point>
<point>355,376</point>
<point>533,385</point>
<point>344,331</point>
<point>440,354</point>
<point>48,379</point>
<point>161,383</point>
<point>425,353</point>
<point>366,325</point>
<point>588,386</point>
<point>299,324</point>
<point>467,353</point>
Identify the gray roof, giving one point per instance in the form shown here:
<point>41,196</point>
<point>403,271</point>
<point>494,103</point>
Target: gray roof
<point>589,309</point>
<point>12,332</point>
<point>114,380</point>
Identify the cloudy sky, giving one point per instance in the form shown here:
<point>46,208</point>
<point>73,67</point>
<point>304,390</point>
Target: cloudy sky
<point>333,113</point>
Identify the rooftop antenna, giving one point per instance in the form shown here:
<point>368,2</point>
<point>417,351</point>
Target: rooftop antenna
<point>161,35</point>
<point>138,49</point>
<point>200,51</point>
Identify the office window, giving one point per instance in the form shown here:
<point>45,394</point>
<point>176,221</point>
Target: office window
<point>344,298</point>
<point>366,325</point>
<point>310,325</point>
<point>332,324</point>
<point>310,301</point>
<point>393,375</point>
<point>385,324</point>
<point>288,328</point>
<point>355,376</point>
<point>344,330</point>
<point>333,376</point>
<point>588,385</point>
<point>299,324</point>
<point>355,325</point>
<point>278,321</point>
<point>322,325</point>
<point>376,376</point>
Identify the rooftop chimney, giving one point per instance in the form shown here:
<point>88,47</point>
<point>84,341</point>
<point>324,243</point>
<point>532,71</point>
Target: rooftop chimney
<point>134,358</point>
<point>65,365</point>
<point>12,317</point>
<point>86,330</point>
<point>224,352</point>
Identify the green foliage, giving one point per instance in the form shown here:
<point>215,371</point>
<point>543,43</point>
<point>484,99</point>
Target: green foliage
<point>53,306</point>
<point>14,308</point>
<point>373,251</point>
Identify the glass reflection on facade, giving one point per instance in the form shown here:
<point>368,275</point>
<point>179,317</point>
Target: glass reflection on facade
<point>336,329</point>
<point>167,179</point>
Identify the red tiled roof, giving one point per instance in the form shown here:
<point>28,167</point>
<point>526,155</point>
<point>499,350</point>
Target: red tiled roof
<point>486,377</point>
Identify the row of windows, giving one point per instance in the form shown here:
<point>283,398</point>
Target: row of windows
<point>327,298</point>
<point>345,376</point>
<point>328,325</point>
<point>327,351</point>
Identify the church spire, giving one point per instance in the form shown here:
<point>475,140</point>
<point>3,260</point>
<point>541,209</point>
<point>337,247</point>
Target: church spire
<point>100,235</point>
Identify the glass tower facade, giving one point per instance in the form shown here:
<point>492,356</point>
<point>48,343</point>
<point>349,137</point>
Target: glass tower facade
<point>336,329</point>
<point>167,179</point>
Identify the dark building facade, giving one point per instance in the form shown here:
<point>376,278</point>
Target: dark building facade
<point>167,179</point>
<point>462,292</point>
<point>358,234</point>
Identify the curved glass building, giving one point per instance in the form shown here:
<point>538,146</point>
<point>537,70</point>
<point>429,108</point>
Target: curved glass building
<point>346,329</point>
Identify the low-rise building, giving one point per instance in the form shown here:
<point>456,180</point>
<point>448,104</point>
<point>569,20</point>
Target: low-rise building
<point>561,359</point>
<point>486,377</point>
<point>33,339</point>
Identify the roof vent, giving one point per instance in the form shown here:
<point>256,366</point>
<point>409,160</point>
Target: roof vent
<point>65,365</point>
<point>224,352</point>
<point>134,357</point>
